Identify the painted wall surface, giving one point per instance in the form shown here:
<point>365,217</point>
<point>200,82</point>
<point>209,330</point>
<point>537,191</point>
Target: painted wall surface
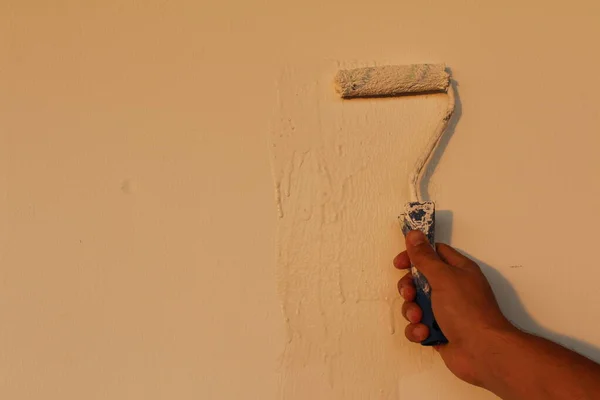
<point>144,254</point>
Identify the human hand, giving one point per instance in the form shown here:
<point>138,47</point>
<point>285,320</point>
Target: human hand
<point>463,303</point>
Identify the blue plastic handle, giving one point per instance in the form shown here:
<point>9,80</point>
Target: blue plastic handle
<point>421,216</point>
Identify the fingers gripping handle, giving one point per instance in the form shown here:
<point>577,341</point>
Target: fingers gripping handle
<point>421,216</point>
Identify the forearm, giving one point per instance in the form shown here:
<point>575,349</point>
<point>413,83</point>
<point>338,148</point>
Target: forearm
<point>484,348</point>
<point>521,366</point>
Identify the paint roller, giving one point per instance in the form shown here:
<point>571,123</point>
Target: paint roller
<point>399,80</point>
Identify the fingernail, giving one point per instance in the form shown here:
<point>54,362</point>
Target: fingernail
<point>416,238</point>
<point>420,332</point>
<point>411,316</point>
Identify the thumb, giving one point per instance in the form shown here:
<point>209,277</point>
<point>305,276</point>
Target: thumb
<point>423,256</point>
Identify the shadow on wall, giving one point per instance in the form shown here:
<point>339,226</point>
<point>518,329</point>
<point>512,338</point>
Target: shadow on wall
<point>445,139</point>
<point>507,297</point>
<point>514,310</point>
<point>443,226</point>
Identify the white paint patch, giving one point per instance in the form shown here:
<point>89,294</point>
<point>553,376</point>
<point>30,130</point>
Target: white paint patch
<point>340,171</point>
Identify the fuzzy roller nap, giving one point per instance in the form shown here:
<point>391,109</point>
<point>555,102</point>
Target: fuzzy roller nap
<point>392,80</point>
<point>398,80</point>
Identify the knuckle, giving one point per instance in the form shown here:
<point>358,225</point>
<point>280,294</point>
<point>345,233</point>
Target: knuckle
<point>425,252</point>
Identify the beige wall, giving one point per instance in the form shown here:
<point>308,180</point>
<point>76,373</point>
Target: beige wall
<point>142,255</point>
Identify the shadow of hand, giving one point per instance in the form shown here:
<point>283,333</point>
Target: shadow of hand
<point>515,311</point>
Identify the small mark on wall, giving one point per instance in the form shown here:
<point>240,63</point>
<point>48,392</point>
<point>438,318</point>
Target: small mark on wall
<point>128,186</point>
<point>515,266</point>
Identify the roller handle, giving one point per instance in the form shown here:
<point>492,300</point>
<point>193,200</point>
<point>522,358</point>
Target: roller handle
<point>421,216</point>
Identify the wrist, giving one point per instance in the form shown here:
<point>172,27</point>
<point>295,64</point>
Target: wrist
<point>502,348</point>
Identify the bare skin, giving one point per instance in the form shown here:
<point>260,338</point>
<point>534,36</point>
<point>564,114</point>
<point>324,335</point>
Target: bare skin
<point>484,348</point>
